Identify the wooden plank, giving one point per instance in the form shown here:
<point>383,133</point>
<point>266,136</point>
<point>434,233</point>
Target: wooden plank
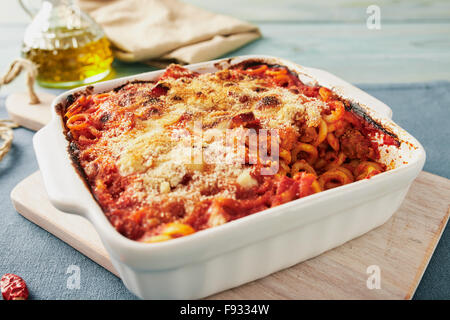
<point>30,116</point>
<point>401,247</point>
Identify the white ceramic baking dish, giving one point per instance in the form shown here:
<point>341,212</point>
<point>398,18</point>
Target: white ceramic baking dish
<point>246,249</point>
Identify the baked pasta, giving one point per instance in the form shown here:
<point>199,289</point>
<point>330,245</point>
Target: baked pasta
<point>190,151</point>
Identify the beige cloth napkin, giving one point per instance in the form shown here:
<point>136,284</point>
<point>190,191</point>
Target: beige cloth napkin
<point>167,30</point>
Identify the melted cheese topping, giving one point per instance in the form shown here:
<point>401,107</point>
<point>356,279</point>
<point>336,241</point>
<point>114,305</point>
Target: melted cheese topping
<point>161,151</point>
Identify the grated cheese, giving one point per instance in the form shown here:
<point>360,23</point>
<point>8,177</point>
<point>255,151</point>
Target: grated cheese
<point>159,155</point>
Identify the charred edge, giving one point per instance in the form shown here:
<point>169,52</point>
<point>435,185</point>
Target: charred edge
<point>70,99</point>
<point>80,171</point>
<point>248,64</point>
<point>117,89</point>
<point>59,108</point>
<point>359,111</point>
<point>256,62</point>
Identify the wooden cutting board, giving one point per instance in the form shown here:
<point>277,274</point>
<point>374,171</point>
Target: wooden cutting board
<point>30,116</point>
<point>401,248</point>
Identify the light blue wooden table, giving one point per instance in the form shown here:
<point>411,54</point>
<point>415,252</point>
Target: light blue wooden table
<point>412,45</point>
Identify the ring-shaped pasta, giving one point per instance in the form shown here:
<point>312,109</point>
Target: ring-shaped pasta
<point>159,238</point>
<point>172,230</point>
<point>309,149</point>
<point>368,173</point>
<point>337,112</point>
<point>363,166</point>
<point>333,178</point>
<point>276,72</point>
<point>322,135</point>
<point>325,94</point>
<point>177,229</point>
<point>87,135</point>
<point>73,109</point>
<point>83,140</point>
<point>367,169</point>
<point>98,98</point>
<point>347,172</point>
<point>281,79</point>
<point>334,160</point>
<point>77,121</point>
<point>259,70</point>
<point>302,165</point>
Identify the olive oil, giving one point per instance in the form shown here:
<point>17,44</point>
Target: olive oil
<point>74,60</point>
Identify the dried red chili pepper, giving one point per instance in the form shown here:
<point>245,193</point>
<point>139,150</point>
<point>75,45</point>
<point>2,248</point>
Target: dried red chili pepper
<point>13,287</point>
